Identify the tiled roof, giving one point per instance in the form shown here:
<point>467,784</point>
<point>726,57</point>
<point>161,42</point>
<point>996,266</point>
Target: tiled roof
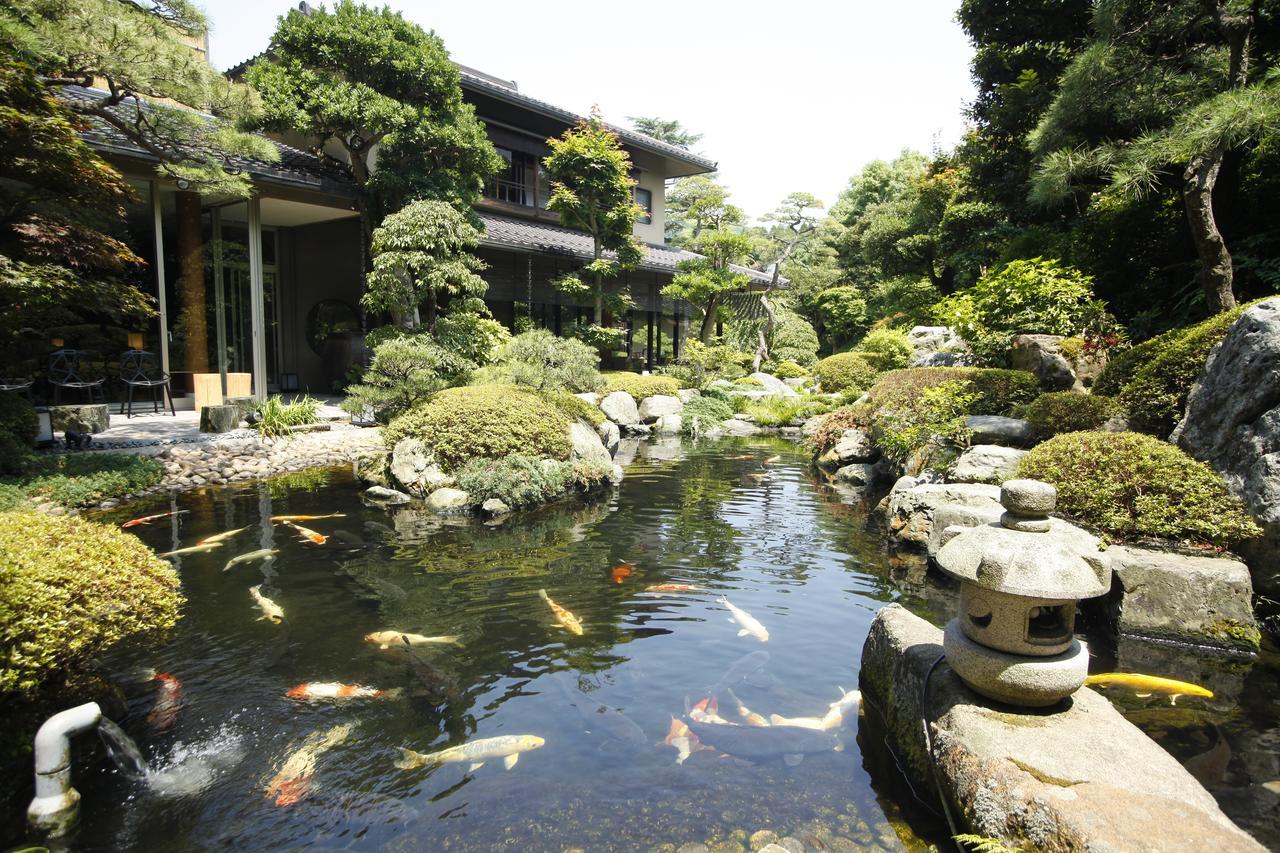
<point>295,167</point>
<point>502,232</point>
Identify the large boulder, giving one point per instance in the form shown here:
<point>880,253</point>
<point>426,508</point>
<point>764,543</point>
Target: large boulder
<point>586,445</point>
<point>385,497</point>
<point>669,425</point>
<point>1202,600</point>
<point>997,429</point>
<point>447,501</point>
<point>610,435</point>
<point>94,418</point>
<point>773,385</point>
<point>652,408</point>
<point>912,505</point>
<point>687,394</point>
<point>372,468</point>
<point>1232,422</point>
<point>738,427</point>
<point>987,463</point>
<point>1080,777</point>
<point>1042,355</point>
<point>937,346</point>
<point>620,407</point>
<point>414,469</point>
<point>855,445</point>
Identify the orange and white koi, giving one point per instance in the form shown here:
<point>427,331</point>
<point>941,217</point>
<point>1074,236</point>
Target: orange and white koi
<point>293,782</point>
<point>672,587</point>
<point>308,533</point>
<point>622,571</point>
<point>311,691</point>
<point>748,623</point>
<point>566,619</point>
<point>685,742</point>
<point>168,702</point>
<point>147,519</point>
<point>849,702</point>
<point>282,518</point>
<point>221,537</point>
<point>707,711</point>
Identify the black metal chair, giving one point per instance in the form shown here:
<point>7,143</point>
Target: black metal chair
<point>18,385</point>
<point>141,369</point>
<point>67,369</point>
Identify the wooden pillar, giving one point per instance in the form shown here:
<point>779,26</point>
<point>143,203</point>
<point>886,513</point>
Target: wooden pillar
<point>162,304</point>
<point>189,243</point>
<point>648,352</point>
<point>257,301</point>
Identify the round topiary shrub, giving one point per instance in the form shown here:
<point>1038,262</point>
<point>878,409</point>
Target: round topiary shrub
<point>1132,484</point>
<point>844,370</point>
<point>639,386</point>
<point>1065,411</point>
<point>71,588</point>
<point>485,421</point>
<point>575,407</point>
<point>886,349</point>
<point>789,370</point>
<point>18,418</point>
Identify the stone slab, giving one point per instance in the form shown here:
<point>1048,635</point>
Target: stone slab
<point>987,463</point>
<point>1074,777</point>
<point>92,418</point>
<point>996,429</point>
<point>912,505</point>
<point>219,418</point>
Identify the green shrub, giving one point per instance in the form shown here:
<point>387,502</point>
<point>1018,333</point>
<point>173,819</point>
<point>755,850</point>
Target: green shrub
<point>16,455</point>
<point>748,382</point>
<point>886,349</point>
<point>1132,484</point>
<point>18,418</point>
<point>76,480</point>
<point>996,391</point>
<point>525,481</point>
<point>793,338</point>
<point>1157,394</point>
<point>11,497</point>
<point>1123,363</point>
<point>1064,411</point>
<point>1025,296</point>
<point>575,407</point>
<point>844,370</point>
<point>936,414</point>
<point>277,417</point>
<point>789,370</point>
<point>540,360</point>
<point>834,425</point>
<point>639,386</point>
<point>404,371</point>
<point>705,363</point>
<point>484,421</point>
<point>780,411</point>
<point>703,413</point>
<point>69,590</point>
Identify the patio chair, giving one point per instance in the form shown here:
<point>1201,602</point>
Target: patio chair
<point>141,369</point>
<point>18,385</point>
<point>67,369</point>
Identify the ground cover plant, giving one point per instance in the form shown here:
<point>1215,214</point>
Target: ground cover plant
<point>639,386</point>
<point>277,418</point>
<point>80,480</point>
<point>704,413</point>
<point>1065,411</point>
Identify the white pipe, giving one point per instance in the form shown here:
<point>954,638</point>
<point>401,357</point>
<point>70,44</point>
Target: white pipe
<point>56,806</point>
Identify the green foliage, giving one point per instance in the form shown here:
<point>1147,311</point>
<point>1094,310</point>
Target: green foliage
<point>844,370</point>
<point>639,386</point>
<point>696,204</point>
<point>1023,297</point>
<point>1130,484</point>
<point>780,411</point>
<point>996,391</point>
<point>834,425</point>
<point>484,421</point>
<point>842,310</point>
<point>1157,394</point>
<point>404,371</point>
<point>538,359</point>
<point>422,256</point>
<point>704,281</point>
<point>886,349</point>
<point>789,370</point>
<point>79,480</point>
<point>18,418</point>
<point>668,131</point>
<point>708,363</point>
<point>704,413</point>
<point>982,844</point>
<point>793,338</point>
<point>69,590</point>
<point>467,330</point>
<point>1065,411</point>
<point>937,414</point>
<point>748,382</point>
<point>277,416</point>
<point>1123,363</point>
<point>522,481</point>
<point>575,407</point>
<point>12,497</point>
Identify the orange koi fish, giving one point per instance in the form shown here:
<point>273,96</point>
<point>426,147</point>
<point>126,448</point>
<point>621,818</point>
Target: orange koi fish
<point>311,691</point>
<point>566,619</point>
<point>293,782</point>
<point>622,571</point>
<point>308,517</point>
<point>672,587</point>
<point>147,519</point>
<point>685,742</point>
<point>168,702</point>
<point>308,533</point>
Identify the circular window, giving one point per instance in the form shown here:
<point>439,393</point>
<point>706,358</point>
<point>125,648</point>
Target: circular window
<point>330,318</point>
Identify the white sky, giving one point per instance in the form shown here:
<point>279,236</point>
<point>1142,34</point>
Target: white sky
<point>790,95</point>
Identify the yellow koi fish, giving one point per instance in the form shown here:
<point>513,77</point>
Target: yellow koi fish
<point>1149,684</point>
<point>475,753</point>
<point>293,782</point>
<point>772,459</point>
<point>387,639</point>
<point>203,548</point>
<point>849,702</point>
<point>271,611</point>
<point>566,619</point>
<point>221,537</point>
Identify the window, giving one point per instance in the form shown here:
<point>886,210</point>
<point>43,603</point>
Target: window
<point>515,183</point>
<point>644,198</point>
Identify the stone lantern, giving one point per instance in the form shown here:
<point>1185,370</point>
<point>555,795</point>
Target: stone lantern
<point>1020,579</point>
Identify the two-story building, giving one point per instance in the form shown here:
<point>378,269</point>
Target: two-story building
<point>271,286</point>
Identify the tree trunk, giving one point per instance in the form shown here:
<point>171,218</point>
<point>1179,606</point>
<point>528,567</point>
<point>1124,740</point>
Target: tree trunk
<point>599,285</point>
<point>708,321</point>
<point>1215,274</point>
<point>762,351</point>
<point>192,320</point>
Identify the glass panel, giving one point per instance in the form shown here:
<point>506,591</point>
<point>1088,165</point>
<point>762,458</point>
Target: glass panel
<point>644,198</point>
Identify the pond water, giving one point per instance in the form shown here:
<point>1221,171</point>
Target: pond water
<point>716,516</point>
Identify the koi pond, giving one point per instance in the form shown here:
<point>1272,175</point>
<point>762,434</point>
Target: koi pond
<point>313,730</point>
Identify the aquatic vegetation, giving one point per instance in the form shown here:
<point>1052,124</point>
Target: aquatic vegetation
<point>484,421</point>
<point>70,589</point>
<point>1133,484</point>
<point>843,371</point>
<point>640,386</point>
<point>276,417</point>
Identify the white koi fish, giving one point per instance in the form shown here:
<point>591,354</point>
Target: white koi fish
<point>748,623</point>
<point>387,639</point>
<point>260,554</point>
<point>191,549</point>
<point>475,753</point>
<point>271,611</point>
<point>221,537</point>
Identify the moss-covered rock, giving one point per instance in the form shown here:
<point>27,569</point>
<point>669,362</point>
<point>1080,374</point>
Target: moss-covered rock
<point>70,589</point>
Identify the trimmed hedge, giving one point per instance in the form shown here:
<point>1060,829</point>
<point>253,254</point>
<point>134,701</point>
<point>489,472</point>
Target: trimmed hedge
<point>1064,411</point>
<point>639,386</point>
<point>1132,484</point>
<point>997,391</point>
<point>844,370</point>
<point>789,370</point>
<point>18,418</point>
<point>575,407</point>
<point>78,480</point>
<point>70,589</point>
<point>886,349</point>
<point>484,421</point>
